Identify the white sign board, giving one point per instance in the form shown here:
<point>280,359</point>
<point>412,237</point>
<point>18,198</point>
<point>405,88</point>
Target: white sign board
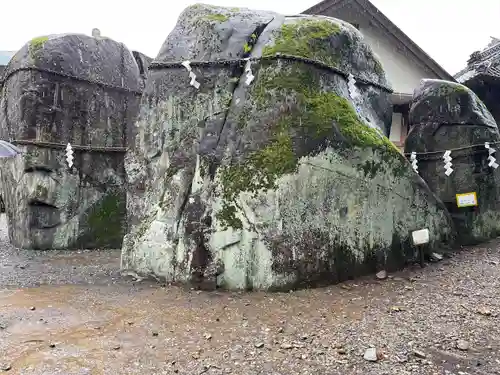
<point>467,199</point>
<point>420,237</point>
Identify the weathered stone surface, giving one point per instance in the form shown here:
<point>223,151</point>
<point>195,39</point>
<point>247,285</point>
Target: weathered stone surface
<point>482,75</point>
<point>278,184</point>
<point>143,63</point>
<point>49,205</point>
<point>443,116</point>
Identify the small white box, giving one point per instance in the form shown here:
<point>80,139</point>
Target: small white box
<point>420,237</point>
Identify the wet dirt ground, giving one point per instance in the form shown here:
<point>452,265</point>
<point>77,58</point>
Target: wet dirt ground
<point>73,313</point>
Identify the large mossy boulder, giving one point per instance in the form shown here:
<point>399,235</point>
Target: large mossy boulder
<point>279,183</point>
<point>449,116</point>
<point>59,90</point>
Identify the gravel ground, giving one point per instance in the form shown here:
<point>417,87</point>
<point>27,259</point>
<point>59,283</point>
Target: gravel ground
<point>72,313</point>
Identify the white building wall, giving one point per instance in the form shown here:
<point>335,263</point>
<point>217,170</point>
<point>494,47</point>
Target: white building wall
<point>403,72</point>
<point>397,120</point>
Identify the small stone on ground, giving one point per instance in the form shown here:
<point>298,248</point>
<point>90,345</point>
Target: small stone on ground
<point>463,345</point>
<point>371,355</point>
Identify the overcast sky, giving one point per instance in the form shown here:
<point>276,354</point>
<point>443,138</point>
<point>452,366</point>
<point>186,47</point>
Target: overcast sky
<point>448,30</point>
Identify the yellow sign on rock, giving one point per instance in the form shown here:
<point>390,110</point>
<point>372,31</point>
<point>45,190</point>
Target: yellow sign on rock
<point>467,199</point>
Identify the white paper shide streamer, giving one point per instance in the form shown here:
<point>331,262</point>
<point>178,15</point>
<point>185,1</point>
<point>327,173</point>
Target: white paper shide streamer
<point>351,87</point>
<point>187,64</point>
<point>492,160</point>
<point>414,162</point>
<point>69,155</point>
<point>447,160</point>
<point>248,70</point>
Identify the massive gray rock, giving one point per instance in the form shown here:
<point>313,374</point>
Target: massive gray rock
<point>143,63</point>
<point>63,89</point>
<point>281,182</point>
<point>447,116</point>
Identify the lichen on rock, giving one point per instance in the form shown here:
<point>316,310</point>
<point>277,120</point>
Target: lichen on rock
<point>295,39</point>
<point>282,183</point>
<point>36,44</point>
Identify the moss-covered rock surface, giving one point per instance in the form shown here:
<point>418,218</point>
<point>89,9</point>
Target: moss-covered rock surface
<point>447,116</point>
<point>280,183</point>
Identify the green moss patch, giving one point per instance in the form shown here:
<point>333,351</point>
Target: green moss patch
<point>248,46</point>
<point>316,115</point>
<point>257,172</point>
<point>378,66</point>
<point>106,222</point>
<point>449,90</point>
<point>37,44</point>
<point>217,17</point>
<point>317,110</point>
<point>309,38</point>
<point>460,89</point>
<point>341,111</point>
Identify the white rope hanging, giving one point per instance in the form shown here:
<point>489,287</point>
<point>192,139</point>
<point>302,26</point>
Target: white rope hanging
<point>492,160</point>
<point>248,71</point>
<point>448,170</point>
<point>447,159</point>
<point>414,162</point>
<point>187,64</point>
<point>351,87</point>
<point>69,155</point>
